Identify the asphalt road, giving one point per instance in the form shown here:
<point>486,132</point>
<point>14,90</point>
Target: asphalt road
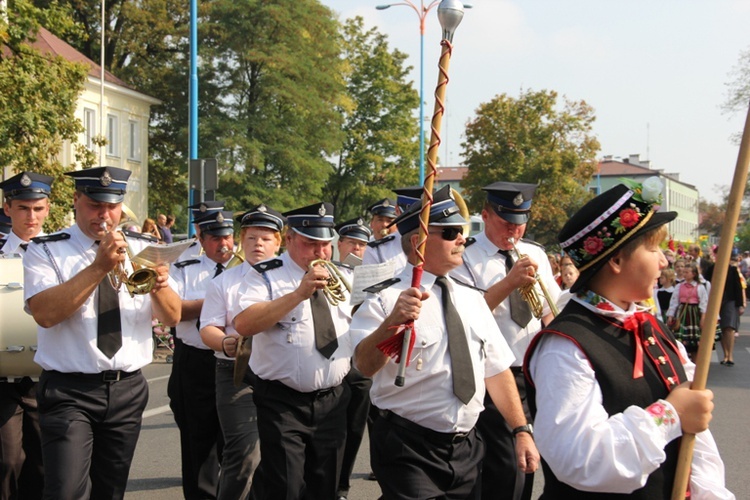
<point>155,473</point>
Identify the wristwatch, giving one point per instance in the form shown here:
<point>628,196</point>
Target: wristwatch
<point>524,428</point>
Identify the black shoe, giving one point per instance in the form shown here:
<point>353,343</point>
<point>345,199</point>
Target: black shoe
<point>723,362</point>
<point>730,363</point>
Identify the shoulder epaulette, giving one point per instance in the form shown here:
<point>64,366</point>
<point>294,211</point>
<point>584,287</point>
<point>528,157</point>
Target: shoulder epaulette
<point>459,282</point>
<point>140,236</point>
<point>341,264</point>
<point>376,243</point>
<point>377,287</point>
<point>531,242</point>
<point>470,241</point>
<point>268,265</point>
<point>186,263</point>
<point>51,237</point>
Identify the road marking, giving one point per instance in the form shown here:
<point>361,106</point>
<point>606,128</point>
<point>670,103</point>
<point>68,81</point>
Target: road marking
<point>156,411</point>
<point>157,378</point>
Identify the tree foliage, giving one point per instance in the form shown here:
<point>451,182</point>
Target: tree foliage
<point>532,139</point>
<point>38,94</point>
<point>276,69</point>
<point>380,146</point>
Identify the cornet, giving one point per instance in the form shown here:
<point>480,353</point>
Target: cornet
<point>335,284</point>
<point>140,282</point>
<point>529,293</point>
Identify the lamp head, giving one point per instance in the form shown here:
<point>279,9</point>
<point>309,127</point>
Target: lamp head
<point>382,7</point>
<point>450,13</point>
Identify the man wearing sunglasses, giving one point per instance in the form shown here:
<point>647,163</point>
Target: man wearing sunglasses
<point>490,262</point>
<point>423,444</point>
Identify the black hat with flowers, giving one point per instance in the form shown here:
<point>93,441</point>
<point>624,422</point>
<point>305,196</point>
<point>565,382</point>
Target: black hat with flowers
<point>606,223</point>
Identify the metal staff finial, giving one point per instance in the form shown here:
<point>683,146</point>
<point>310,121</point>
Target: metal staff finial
<point>450,13</point>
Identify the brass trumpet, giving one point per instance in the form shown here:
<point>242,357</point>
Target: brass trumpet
<point>530,294</point>
<point>336,283</point>
<point>140,282</point>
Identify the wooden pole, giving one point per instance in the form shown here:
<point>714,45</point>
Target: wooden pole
<point>718,280</point>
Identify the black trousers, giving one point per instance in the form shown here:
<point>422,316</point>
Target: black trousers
<point>412,462</point>
<point>192,398</point>
<point>89,432</point>
<point>501,478</point>
<point>301,440</point>
<point>356,420</point>
<point>21,470</point>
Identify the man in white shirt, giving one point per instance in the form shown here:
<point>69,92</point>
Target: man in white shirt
<point>94,338</point>
<point>26,201</point>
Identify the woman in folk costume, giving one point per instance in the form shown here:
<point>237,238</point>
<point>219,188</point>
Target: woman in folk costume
<point>608,384</point>
<point>687,308</point>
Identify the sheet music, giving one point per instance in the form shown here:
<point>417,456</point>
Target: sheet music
<point>153,255</point>
<point>352,260</point>
<point>365,276</point>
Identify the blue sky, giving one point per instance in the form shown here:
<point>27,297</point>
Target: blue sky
<point>654,71</point>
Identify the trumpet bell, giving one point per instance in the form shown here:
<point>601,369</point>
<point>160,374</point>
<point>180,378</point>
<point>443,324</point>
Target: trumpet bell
<point>141,281</point>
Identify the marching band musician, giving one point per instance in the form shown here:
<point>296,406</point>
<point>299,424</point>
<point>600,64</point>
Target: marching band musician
<point>260,238</point>
<point>490,263</point>
<point>424,444</point>
<point>192,387</point>
<point>94,338</point>
<point>26,201</point>
<point>383,212</point>
<point>198,211</point>
<point>5,225</point>
<point>301,354</point>
<point>389,247</point>
<point>353,238</point>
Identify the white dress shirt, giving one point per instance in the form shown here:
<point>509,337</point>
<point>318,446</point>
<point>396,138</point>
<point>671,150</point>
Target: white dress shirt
<point>221,293</point>
<point>192,282</point>
<point>383,252</point>
<point>286,352</point>
<point>13,244</point>
<point>590,450</point>
<point>427,396</point>
<point>484,266</point>
<point>70,346</point>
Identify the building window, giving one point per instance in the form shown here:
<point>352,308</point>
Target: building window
<point>89,125</point>
<point>113,136</point>
<point>134,143</point>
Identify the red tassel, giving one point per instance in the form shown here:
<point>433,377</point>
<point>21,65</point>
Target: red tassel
<point>391,347</point>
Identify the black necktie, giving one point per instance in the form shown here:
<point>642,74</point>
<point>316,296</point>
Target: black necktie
<point>109,326</point>
<point>520,312</point>
<point>24,246</point>
<point>325,333</point>
<point>458,347</point>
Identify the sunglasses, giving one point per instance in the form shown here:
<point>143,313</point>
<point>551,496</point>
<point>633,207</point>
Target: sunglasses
<point>450,233</point>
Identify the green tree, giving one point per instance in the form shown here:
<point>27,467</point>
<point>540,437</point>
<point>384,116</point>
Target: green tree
<point>38,95</point>
<point>276,65</point>
<point>532,139</point>
<point>380,147</point>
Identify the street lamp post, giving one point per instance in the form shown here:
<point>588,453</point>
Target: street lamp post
<point>422,10</point>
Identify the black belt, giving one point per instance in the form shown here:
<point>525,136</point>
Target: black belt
<point>224,363</point>
<point>313,395</point>
<point>105,376</point>
<point>444,438</point>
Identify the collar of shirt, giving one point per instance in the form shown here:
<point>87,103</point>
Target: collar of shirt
<point>604,307</point>
<point>484,243</point>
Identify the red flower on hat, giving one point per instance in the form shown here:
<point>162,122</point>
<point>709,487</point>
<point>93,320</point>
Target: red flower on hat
<point>627,218</point>
<point>593,245</point>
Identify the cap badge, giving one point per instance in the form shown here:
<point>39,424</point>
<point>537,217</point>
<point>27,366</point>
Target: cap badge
<point>360,222</point>
<point>106,179</point>
<point>322,210</point>
<point>518,200</point>
<point>262,208</point>
<point>220,218</point>
<point>203,207</point>
<point>387,203</point>
<point>25,180</point>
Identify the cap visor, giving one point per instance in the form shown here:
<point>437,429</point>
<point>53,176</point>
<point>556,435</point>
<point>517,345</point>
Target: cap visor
<point>452,220</point>
<point>517,219</point>
<point>219,231</point>
<point>106,197</point>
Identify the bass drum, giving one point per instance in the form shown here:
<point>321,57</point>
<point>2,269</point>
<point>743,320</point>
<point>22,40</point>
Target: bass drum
<point>18,331</point>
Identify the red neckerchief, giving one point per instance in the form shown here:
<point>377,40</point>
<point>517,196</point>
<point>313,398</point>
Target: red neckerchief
<point>635,324</point>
